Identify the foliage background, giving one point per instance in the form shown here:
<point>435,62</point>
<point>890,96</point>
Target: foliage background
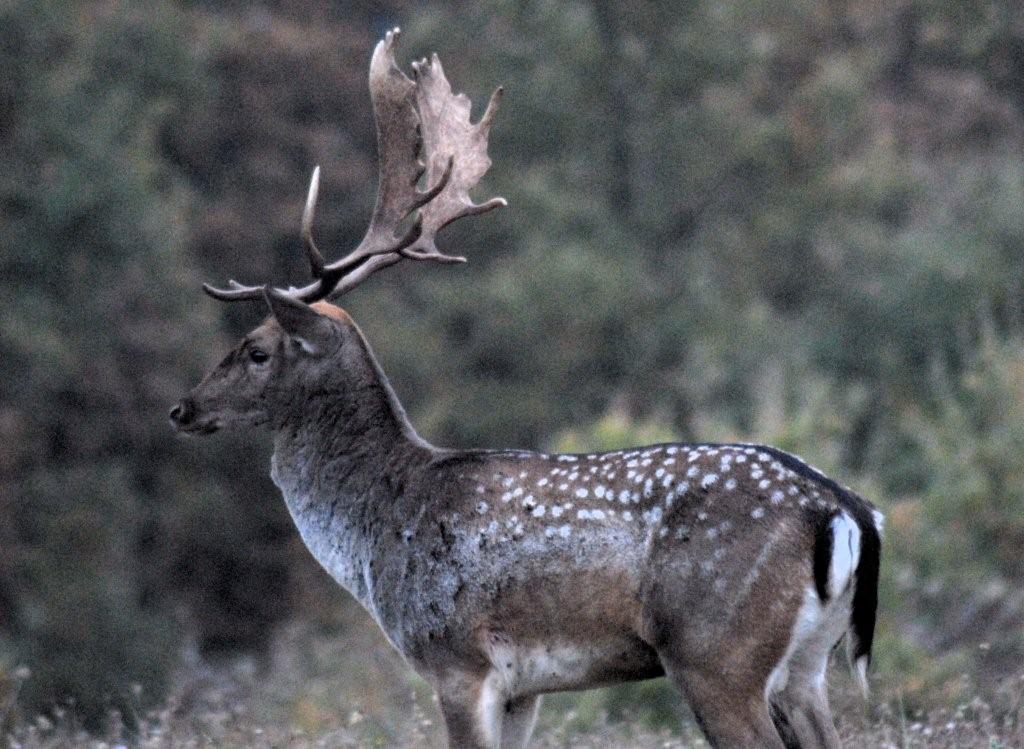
<point>794,224</point>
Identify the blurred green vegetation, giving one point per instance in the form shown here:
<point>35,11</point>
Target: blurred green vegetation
<point>796,225</point>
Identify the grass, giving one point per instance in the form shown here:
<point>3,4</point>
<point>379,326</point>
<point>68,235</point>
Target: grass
<point>352,690</point>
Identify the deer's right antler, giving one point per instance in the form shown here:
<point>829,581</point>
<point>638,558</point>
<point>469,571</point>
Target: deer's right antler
<point>422,127</point>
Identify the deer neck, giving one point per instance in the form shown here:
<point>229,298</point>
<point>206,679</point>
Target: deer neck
<point>341,462</point>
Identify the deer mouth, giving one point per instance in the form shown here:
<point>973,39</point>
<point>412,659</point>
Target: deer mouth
<point>198,427</point>
<point>207,427</point>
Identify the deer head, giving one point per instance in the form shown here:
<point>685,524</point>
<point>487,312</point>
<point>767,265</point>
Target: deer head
<point>424,134</point>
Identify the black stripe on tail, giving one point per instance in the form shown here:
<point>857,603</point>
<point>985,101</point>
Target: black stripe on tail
<point>865,595</point>
<point>823,542</point>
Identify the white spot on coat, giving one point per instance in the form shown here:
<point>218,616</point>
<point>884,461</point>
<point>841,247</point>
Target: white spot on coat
<point>652,515</point>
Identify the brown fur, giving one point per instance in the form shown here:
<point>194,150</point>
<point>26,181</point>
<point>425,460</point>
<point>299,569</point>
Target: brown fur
<point>330,310</point>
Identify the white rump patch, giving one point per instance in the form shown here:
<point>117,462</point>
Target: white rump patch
<point>845,553</point>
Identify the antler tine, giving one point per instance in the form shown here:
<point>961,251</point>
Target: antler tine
<point>316,260</point>
<point>237,293</point>
<point>413,118</point>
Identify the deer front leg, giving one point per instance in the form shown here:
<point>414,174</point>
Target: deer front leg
<point>473,709</point>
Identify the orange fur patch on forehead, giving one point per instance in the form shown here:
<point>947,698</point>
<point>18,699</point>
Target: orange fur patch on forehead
<point>329,310</point>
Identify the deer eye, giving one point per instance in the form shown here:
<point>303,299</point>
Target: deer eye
<point>258,355</point>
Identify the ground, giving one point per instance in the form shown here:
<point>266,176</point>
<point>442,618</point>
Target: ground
<point>351,690</point>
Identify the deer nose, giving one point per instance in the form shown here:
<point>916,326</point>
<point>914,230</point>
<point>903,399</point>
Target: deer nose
<point>183,412</point>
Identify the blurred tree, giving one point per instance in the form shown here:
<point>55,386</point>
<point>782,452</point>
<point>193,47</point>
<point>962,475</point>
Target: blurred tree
<point>960,536</point>
<point>99,550</point>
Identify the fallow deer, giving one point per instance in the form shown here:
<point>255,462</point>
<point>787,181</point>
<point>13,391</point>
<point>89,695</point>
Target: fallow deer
<point>504,574</point>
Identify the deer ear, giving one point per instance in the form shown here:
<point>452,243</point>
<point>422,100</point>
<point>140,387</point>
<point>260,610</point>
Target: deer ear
<point>301,322</point>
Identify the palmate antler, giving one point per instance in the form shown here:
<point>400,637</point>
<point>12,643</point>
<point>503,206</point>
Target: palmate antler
<point>422,127</point>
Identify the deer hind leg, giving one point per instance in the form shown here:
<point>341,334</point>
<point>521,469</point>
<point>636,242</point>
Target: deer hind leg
<point>730,714</point>
<point>518,719</point>
<point>721,659</point>
<point>803,719</point>
<point>797,690</point>
<point>473,710</point>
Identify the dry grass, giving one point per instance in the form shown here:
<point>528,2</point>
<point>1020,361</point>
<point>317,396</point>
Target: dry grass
<point>353,691</point>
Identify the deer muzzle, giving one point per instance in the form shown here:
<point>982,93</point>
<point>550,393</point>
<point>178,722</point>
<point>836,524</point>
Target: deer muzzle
<point>183,413</point>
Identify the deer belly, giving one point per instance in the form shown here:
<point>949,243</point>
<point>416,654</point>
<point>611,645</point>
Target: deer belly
<point>553,667</point>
